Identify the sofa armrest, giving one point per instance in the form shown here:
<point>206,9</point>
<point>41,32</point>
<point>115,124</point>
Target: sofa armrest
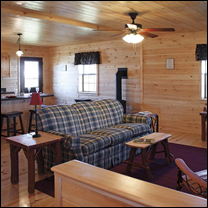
<point>136,118</point>
<point>72,143</point>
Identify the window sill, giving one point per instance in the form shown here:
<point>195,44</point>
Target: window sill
<point>202,99</point>
<point>86,93</point>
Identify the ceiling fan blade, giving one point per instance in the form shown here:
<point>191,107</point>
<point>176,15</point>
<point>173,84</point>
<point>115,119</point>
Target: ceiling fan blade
<point>115,31</point>
<point>148,34</point>
<point>158,29</point>
<point>117,34</point>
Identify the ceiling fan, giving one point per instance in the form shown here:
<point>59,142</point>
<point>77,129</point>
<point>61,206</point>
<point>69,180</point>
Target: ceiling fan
<point>135,28</point>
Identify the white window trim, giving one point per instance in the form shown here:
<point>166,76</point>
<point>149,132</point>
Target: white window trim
<point>202,86</point>
<point>88,93</point>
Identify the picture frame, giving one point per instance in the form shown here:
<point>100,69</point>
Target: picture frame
<point>169,63</point>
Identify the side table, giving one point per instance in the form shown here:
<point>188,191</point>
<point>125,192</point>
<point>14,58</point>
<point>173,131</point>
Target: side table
<point>159,138</point>
<point>32,150</point>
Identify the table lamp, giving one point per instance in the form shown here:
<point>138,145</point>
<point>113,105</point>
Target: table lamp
<point>36,100</point>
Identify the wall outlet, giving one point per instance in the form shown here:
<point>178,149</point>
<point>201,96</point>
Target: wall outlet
<point>130,107</point>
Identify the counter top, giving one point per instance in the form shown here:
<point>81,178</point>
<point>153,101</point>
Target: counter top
<point>7,93</point>
<point>25,96</point>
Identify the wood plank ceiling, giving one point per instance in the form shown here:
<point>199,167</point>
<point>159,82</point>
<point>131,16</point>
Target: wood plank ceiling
<point>56,23</point>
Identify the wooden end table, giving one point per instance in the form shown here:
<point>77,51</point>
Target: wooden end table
<point>32,150</point>
<point>159,138</point>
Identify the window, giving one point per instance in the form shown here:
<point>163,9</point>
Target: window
<point>30,74</point>
<point>87,78</point>
<point>204,79</point>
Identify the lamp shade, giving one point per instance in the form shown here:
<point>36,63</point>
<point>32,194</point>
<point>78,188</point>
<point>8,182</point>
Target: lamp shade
<point>35,99</point>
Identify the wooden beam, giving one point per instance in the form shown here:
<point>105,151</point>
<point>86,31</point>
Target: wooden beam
<point>54,18</point>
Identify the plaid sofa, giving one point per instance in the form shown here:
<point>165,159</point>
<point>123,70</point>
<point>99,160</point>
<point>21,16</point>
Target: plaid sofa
<point>94,132</point>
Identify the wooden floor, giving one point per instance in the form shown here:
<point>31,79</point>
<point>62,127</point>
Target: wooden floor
<point>17,195</point>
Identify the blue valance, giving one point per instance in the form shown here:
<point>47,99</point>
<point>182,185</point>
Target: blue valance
<point>87,58</point>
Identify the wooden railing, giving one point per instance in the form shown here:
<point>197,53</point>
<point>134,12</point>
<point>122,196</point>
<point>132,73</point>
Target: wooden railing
<point>84,185</point>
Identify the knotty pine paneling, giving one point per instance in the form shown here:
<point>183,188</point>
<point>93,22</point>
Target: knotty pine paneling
<point>12,82</point>
<point>173,94</point>
<point>114,55</point>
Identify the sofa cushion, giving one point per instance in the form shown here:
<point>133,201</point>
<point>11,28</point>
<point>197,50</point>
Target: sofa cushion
<point>92,143</point>
<point>136,128</point>
<point>89,115</point>
<point>117,135</point>
<point>112,111</point>
<point>59,118</point>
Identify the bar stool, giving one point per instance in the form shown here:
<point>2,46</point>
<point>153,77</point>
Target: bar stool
<point>32,112</point>
<point>13,129</point>
<point>31,126</point>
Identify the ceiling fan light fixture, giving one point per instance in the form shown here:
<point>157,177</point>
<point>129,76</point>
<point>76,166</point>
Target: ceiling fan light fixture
<point>19,52</point>
<point>131,38</point>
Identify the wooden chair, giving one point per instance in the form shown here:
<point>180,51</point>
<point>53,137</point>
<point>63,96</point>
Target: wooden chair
<point>194,181</point>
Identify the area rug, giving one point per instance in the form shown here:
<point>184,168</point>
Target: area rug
<point>164,175</point>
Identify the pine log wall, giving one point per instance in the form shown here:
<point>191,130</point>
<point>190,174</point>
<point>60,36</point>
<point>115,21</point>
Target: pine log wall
<point>114,55</point>
<point>173,94</point>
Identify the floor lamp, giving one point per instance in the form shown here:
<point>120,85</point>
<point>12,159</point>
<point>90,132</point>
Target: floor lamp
<point>36,100</point>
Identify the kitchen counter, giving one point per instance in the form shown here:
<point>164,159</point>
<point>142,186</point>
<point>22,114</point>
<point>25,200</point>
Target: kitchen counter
<point>22,103</point>
<point>7,93</point>
<point>25,96</point>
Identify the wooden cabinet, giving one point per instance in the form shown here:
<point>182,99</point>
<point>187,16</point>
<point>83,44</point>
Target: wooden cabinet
<point>5,65</point>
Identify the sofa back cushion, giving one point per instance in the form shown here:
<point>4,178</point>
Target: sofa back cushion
<point>59,118</point>
<point>112,111</point>
<point>89,115</point>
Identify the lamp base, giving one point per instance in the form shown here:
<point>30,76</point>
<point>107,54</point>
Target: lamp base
<point>36,135</point>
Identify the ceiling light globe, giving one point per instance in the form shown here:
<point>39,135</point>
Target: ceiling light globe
<point>137,38</point>
<point>127,38</point>
<point>19,53</point>
<point>131,38</point>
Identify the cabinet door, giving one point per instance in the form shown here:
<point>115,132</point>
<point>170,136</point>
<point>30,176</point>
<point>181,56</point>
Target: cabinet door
<point>5,65</point>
